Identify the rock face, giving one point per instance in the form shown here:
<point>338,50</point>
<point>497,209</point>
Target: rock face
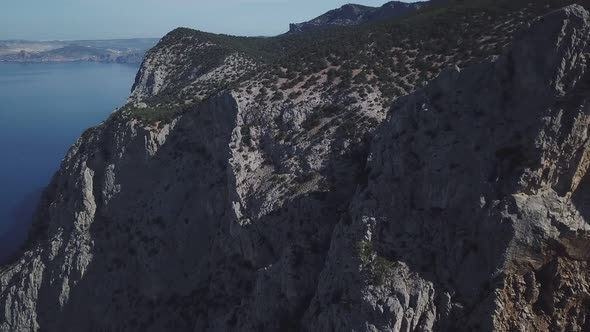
<point>474,215</point>
<point>352,14</point>
<point>462,209</point>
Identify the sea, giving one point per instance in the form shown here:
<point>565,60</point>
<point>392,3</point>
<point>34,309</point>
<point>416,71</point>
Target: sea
<point>44,107</point>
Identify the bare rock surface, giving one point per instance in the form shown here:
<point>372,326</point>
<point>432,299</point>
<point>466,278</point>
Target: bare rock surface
<point>472,218</point>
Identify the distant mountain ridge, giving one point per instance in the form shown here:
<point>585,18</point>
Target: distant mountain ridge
<point>353,14</point>
<point>109,51</point>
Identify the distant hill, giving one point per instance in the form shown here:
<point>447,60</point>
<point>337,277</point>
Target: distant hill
<point>352,14</point>
<point>117,50</point>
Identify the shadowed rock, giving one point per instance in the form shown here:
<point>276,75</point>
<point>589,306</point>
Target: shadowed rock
<point>467,222</point>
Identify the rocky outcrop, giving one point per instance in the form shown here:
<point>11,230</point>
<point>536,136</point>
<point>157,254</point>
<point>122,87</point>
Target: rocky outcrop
<point>473,217</point>
<point>188,67</point>
<point>352,14</point>
<point>462,209</point>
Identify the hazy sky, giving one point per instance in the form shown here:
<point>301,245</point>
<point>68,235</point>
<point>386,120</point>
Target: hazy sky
<point>97,19</point>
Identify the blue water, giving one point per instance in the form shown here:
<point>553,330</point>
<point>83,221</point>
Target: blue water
<point>43,110</point>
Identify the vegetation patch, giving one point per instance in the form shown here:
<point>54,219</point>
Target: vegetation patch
<point>320,113</point>
<point>379,268</point>
<point>390,57</point>
<point>156,114</point>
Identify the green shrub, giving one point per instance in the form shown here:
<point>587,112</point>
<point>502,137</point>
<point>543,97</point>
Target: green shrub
<point>378,267</point>
<point>156,114</point>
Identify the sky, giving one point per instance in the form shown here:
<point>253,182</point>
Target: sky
<point>110,19</point>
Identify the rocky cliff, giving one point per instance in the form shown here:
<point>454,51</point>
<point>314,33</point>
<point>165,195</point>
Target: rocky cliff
<point>474,213</point>
<point>220,199</point>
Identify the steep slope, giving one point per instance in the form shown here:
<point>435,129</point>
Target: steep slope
<point>369,65</point>
<point>352,14</point>
<point>474,216</point>
<point>214,202</point>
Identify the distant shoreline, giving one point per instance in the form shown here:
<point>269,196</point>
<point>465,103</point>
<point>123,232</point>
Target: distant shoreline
<point>129,51</point>
<point>70,61</point>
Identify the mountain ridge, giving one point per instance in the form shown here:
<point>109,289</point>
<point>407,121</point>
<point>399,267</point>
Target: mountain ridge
<point>354,14</point>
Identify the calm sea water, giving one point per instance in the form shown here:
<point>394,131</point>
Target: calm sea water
<point>43,110</point>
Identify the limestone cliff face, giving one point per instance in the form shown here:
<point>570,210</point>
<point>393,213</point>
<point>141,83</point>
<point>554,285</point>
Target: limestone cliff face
<point>126,224</point>
<point>474,215</point>
<point>463,208</point>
